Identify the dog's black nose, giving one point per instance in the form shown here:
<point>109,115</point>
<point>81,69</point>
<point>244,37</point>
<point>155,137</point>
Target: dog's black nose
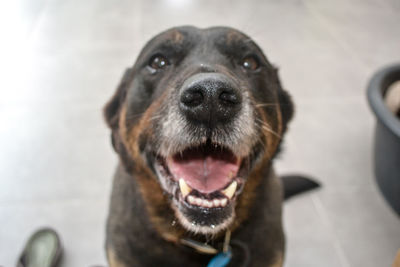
<point>210,98</point>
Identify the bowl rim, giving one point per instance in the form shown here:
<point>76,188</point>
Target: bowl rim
<point>377,87</point>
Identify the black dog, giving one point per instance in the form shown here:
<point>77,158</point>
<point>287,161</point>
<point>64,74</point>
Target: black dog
<point>197,122</point>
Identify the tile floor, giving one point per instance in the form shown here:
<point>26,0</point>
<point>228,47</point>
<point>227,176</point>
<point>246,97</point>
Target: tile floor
<point>61,60</point>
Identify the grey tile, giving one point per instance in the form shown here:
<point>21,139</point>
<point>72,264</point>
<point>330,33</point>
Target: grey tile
<point>365,29</point>
<point>366,227</point>
<point>310,241</point>
<point>331,140</point>
<point>55,152</point>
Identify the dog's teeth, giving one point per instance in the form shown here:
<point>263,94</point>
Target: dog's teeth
<point>198,201</point>
<point>185,189</point>
<point>208,204</point>
<point>224,201</point>
<point>213,203</point>
<point>230,190</point>
<point>191,199</point>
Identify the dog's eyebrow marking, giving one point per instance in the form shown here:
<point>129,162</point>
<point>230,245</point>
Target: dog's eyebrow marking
<point>176,36</point>
<point>170,43</point>
<point>232,36</point>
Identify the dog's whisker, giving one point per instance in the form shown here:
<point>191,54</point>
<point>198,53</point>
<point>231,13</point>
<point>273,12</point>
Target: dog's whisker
<point>266,105</point>
<point>132,116</point>
<point>268,128</point>
<point>155,117</point>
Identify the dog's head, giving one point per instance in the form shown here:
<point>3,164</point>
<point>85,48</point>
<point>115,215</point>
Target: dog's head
<point>198,114</point>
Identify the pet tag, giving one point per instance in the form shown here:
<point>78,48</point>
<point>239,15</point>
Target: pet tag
<point>221,259</point>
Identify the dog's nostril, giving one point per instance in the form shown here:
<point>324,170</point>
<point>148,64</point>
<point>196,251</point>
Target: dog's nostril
<point>192,98</point>
<point>229,98</point>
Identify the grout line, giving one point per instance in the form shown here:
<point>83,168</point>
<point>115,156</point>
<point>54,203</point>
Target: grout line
<point>336,243</point>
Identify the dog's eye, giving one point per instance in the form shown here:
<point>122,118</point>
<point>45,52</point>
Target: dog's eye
<point>250,63</point>
<point>158,62</point>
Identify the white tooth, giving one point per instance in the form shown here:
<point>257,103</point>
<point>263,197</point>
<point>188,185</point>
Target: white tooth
<point>191,199</point>
<point>208,204</point>
<point>230,190</point>
<point>185,189</point>
<point>216,202</point>
<point>202,202</point>
<point>223,202</point>
<point>198,201</point>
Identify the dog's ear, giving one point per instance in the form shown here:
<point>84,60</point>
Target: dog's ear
<point>285,102</point>
<point>287,107</point>
<point>113,107</point>
<point>112,111</point>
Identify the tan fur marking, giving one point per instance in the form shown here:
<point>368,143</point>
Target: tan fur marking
<point>396,262</point>
<point>112,259</point>
<point>232,36</point>
<point>246,198</point>
<point>175,36</point>
<point>273,135</point>
<point>131,137</point>
<point>279,260</point>
<point>121,123</point>
<point>178,37</point>
<point>279,117</point>
<point>156,202</point>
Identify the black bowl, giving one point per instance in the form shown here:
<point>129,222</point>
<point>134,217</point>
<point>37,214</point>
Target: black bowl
<point>387,136</point>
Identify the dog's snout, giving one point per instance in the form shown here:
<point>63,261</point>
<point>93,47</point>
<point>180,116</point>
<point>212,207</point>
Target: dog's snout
<point>210,98</point>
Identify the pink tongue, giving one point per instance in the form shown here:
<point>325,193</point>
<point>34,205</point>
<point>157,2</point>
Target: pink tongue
<point>205,173</point>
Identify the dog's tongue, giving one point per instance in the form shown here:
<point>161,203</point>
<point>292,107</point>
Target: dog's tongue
<point>204,169</point>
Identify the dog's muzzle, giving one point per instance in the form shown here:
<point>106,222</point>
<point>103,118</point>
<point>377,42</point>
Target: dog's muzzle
<point>205,150</point>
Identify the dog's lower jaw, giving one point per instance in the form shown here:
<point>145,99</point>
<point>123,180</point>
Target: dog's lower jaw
<point>205,229</point>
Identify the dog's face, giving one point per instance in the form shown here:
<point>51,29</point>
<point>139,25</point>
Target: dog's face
<point>199,113</point>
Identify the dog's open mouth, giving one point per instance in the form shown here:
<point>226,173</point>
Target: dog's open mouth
<point>204,181</point>
<point>205,175</point>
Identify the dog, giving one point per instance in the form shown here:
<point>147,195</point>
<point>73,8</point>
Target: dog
<point>197,122</point>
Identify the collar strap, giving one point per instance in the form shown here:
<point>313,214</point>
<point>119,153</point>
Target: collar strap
<point>204,248</point>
